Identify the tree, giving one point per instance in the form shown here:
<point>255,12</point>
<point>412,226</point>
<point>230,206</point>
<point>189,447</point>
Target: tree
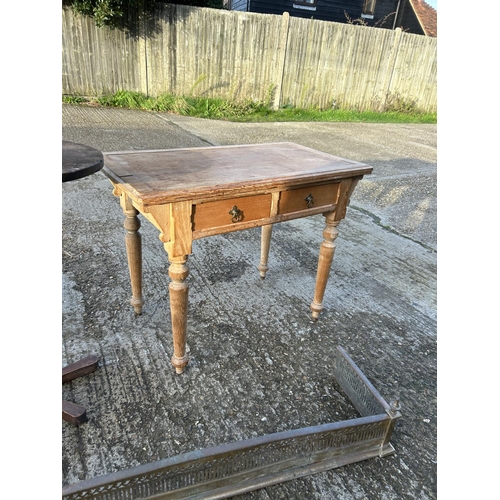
<point>111,12</point>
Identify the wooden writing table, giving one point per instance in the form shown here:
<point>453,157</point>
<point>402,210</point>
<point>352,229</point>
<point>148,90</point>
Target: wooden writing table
<point>192,193</point>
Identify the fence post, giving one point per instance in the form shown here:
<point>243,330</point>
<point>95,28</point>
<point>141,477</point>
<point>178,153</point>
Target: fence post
<point>280,59</point>
<point>143,42</point>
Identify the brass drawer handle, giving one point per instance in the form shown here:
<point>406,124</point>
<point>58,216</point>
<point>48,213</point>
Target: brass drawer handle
<point>309,200</point>
<point>237,214</point>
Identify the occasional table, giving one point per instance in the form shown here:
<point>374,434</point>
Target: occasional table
<point>78,161</point>
<point>193,193</point>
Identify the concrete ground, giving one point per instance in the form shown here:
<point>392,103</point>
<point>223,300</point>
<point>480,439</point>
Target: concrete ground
<point>258,364</point>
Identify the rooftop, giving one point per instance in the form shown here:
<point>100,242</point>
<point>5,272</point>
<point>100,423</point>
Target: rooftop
<point>426,15</point>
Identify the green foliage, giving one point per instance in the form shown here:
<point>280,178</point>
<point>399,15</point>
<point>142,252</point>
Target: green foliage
<point>125,99</point>
<point>171,103</point>
<point>271,91</point>
<point>111,12</point>
<point>216,108</point>
<point>250,111</point>
<point>105,12</point>
<point>74,99</point>
<point>200,79</point>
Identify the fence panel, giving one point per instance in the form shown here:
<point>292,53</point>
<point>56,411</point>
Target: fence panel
<point>415,71</point>
<point>239,55</point>
<point>213,53</point>
<point>336,65</point>
<point>98,61</point>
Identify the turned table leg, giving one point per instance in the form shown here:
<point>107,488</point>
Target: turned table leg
<point>178,289</point>
<point>133,245</point>
<point>326,252</point>
<point>264,249</point>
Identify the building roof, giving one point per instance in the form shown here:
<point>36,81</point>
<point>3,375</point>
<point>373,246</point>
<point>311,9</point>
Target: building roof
<point>426,15</point>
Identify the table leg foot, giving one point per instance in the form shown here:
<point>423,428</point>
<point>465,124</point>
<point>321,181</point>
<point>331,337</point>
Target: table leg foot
<point>180,363</point>
<point>137,305</point>
<point>262,270</point>
<point>316,310</point>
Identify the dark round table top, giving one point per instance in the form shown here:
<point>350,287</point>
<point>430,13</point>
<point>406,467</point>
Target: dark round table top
<point>79,161</point>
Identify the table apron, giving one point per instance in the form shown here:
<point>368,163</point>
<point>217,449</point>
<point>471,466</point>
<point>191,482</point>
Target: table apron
<point>199,218</point>
<point>240,226</point>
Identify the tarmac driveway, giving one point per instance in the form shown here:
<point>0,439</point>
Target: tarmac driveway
<point>258,364</point>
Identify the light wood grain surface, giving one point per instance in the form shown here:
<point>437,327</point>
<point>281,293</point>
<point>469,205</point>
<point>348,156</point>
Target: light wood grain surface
<point>167,176</point>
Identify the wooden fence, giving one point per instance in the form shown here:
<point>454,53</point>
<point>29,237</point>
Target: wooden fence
<point>185,50</point>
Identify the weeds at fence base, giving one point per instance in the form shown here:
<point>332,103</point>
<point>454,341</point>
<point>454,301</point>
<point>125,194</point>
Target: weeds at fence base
<point>397,109</point>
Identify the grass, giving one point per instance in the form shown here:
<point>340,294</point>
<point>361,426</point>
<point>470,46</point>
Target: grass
<point>398,110</point>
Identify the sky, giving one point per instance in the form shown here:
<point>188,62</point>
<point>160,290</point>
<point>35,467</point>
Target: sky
<point>432,3</point>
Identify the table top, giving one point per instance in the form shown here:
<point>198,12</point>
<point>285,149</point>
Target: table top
<point>171,175</point>
<point>79,160</point>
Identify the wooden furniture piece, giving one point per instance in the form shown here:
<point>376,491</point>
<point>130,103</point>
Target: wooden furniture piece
<point>78,161</point>
<point>73,412</point>
<point>197,192</point>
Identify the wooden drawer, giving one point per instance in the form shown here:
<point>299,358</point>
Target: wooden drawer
<point>217,213</point>
<point>296,200</point>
